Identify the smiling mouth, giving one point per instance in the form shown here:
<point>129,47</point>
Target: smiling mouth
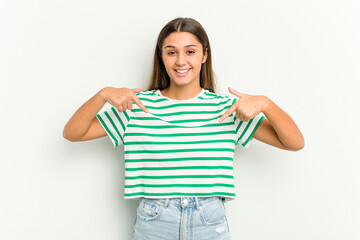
<point>182,71</point>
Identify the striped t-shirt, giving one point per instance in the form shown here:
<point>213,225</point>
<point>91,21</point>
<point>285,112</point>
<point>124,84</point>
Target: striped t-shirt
<point>179,148</point>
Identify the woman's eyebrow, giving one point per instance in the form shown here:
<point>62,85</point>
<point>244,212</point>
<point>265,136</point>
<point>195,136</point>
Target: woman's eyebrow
<point>191,45</point>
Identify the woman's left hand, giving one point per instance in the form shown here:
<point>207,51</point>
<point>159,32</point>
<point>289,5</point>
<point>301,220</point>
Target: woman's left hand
<point>277,129</point>
<point>246,107</point>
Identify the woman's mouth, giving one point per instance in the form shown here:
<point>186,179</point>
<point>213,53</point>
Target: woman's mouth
<point>182,72</point>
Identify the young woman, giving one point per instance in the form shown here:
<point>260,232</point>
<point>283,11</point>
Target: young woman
<point>179,137</point>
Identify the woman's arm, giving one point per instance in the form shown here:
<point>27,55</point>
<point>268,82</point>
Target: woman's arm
<point>278,129</point>
<point>83,125</point>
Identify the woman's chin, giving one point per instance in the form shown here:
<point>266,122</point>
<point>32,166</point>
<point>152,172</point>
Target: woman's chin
<point>182,82</point>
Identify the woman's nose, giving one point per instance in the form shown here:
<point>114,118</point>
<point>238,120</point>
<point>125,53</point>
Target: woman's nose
<point>180,60</point>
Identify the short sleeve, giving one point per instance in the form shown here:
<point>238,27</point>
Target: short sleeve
<point>114,123</point>
<point>245,130</point>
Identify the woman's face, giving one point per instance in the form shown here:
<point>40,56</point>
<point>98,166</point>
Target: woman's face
<point>182,55</point>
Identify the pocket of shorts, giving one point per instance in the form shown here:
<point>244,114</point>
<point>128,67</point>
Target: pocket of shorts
<point>213,213</point>
<point>149,210</point>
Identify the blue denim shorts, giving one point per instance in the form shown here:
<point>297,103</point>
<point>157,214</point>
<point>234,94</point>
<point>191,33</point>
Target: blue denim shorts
<point>196,218</point>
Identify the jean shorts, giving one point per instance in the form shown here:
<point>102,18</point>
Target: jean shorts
<point>195,218</point>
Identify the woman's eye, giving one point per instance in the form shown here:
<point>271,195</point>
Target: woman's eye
<point>171,53</point>
<point>191,52</point>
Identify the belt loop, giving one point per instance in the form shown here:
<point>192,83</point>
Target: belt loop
<point>197,204</point>
<point>166,204</point>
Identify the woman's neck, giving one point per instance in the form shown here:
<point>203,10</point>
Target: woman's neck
<point>181,92</point>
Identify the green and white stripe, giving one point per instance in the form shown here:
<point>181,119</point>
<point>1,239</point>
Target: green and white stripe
<point>179,148</point>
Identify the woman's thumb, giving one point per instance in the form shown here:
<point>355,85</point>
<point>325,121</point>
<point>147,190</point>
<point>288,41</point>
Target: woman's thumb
<point>136,90</point>
<point>236,93</point>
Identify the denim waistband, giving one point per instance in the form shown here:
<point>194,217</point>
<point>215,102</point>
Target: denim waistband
<point>185,202</point>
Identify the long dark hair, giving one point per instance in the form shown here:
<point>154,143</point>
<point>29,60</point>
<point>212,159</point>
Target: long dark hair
<point>159,77</point>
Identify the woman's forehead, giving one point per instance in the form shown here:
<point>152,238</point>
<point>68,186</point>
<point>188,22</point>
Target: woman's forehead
<point>181,39</point>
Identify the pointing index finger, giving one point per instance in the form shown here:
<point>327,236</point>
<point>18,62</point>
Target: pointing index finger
<point>140,104</point>
<point>227,113</point>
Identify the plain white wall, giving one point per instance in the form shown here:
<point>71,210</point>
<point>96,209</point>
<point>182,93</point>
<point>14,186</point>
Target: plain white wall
<point>55,55</point>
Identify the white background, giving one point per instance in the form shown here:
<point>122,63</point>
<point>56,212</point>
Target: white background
<point>55,55</point>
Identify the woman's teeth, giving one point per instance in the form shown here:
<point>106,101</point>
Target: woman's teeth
<point>182,71</point>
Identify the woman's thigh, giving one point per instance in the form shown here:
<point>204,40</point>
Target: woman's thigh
<point>159,220</point>
<point>154,221</point>
<point>210,222</point>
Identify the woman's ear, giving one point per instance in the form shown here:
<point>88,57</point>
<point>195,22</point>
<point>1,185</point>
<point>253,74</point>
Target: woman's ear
<point>204,57</point>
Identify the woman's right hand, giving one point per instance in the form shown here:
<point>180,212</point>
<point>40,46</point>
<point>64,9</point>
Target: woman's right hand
<point>122,98</point>
<point>83,125</point>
